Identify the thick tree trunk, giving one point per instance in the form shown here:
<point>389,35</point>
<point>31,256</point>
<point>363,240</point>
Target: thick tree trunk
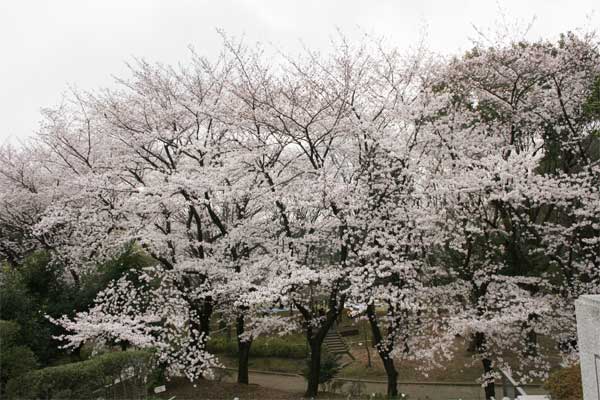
<point>75,277</point>
<point>384,354</point>
<point>205,312</point>
<point>201,322</point>
<point>243,356</point>
<point>312,388</point>
<point>489,386</point>
<point>315,339</point>
<point>531,336</point>
<point>243,352</point>
<point>392,378</point>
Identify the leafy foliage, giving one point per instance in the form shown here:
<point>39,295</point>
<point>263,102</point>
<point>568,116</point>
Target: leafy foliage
<point>38,287</point>
<point>15,358</point>
<point>87,379</point>
<point>28,292</point>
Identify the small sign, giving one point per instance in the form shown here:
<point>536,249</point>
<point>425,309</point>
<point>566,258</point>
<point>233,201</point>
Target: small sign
<point>160,389</point>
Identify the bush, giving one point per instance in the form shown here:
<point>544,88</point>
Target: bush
<point>15,360</point>
<point>111,375</point>
<point>38,287</point>
<point>9,333</point>
<point>28,292</point>
<point>565,384</point>
<point>261,347</point>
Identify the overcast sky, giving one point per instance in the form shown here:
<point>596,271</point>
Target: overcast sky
<point>48,45</point>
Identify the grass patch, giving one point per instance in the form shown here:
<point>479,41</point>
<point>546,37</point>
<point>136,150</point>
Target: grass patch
<point>289,346</point>
<point>273,364</point>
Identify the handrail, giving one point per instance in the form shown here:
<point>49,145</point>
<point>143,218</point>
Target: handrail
<point>514,383</point>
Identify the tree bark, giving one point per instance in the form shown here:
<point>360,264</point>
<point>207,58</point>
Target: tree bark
<point>75,277</point>
<point>530,348</point>
<point>205,310</point>
<point>384,353</point>
<point>489,386</point>
<point>312,388</point>
<point>243,352</point>
<point>315,341</point>
<point>201,323</point>
<point>392,378</point>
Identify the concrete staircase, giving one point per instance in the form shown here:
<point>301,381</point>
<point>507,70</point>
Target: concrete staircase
<point>335,344</point>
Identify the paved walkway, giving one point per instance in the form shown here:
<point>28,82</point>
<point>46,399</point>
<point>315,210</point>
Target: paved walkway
<point>415,390</point>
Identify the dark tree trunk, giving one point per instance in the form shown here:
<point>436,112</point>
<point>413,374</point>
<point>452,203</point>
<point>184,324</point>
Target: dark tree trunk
<point>472,347</point>
<point>315,341</point>
<point>384,353</point>
<point>489,386</point>
<point>312,388</point>
<point>531,336</point>
<point>392,378</point>
<point>201,321</point>
<point>75,277</point>
<point>243,352</point>
<point>531,347</point>
<point>205,312</point>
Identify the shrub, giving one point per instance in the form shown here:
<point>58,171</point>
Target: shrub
<point>9,333</point>
<point>112,375</point>
<point>15,360</point>
<point>565,384</point>
<point>37,287</point>
<point>28,292</point>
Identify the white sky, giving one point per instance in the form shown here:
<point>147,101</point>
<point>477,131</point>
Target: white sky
<point>48,45</point>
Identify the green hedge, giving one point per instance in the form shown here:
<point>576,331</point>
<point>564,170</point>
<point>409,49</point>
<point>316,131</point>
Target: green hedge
<point>261,347</point>
<point>89,379</point>
<point>15,359</point>
<point>9,333</point>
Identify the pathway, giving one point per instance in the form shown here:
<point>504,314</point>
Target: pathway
<point>415,390</point>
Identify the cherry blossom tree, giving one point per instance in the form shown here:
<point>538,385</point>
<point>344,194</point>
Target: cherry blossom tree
<point>393,230</point>
<point>32,180</point>
<point>505,113</point>
<point>299,111</point>
<point>146,309</point>
<point>23,199</point>
<point>147,179</point>
<point>172,177</point>
<point>460,196</point>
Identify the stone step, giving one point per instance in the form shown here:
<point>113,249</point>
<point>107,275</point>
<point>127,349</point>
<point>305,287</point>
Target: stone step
<point>336,345</point>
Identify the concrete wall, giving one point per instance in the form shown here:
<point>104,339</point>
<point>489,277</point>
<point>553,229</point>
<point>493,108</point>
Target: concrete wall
<point>588,331</point>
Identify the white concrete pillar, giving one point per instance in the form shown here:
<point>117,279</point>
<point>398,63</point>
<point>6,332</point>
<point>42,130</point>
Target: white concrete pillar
<point>588,330</point>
